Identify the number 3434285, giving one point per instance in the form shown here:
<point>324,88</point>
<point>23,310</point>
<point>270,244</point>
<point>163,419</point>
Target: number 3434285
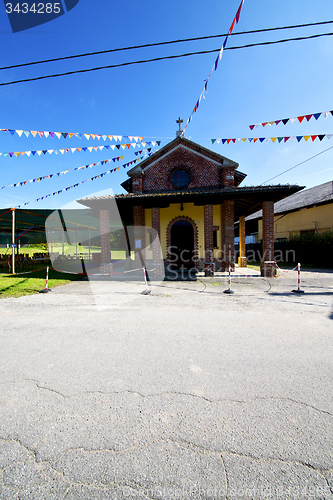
<point>35,8</point>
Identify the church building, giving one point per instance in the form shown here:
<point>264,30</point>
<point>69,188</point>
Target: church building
<point>192,197</point>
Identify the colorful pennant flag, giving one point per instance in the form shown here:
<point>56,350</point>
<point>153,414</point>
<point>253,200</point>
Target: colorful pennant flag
<point>86,180</point>
<point>325,114</point>
<point>89,149</point>
<point>69,135</point>
<point>274,139</point>
<point>216,63</point>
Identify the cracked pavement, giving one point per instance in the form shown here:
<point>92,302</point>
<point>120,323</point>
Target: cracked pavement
<point>185,393</point>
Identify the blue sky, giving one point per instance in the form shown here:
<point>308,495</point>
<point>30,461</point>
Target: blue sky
<point>250,86</point>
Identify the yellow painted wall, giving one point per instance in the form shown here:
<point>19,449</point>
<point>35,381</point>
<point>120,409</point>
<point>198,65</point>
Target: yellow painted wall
<point>192,211</point>
<point>318,218</point>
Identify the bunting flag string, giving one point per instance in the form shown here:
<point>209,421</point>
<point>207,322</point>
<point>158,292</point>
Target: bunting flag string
<point>69,135</point>
<point>58,174</point>
<point>325,114</point>
<point>68,188</point>
<point>89,149</point>
<point>274,139</point>
<point>216,63</point>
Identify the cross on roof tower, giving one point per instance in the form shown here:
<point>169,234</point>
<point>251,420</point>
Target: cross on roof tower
<point>179,132</point>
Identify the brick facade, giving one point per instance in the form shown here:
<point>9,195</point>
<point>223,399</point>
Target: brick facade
<point>267,265</point>
<point>228,234</point>
<point>204,172</point>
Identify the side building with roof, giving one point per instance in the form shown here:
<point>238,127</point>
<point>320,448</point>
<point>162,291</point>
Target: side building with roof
<point>310,210</point>
<point>191,197</point>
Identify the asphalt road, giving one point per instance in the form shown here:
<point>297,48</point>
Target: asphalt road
<point>184,393</point>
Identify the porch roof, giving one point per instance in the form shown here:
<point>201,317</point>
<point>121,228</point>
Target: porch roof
<point>247,199</point>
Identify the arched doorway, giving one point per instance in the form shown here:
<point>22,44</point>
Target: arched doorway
<point>182,244</point>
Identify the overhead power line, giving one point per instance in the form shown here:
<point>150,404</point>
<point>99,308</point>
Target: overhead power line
<point>298,164</point>
<point>162,59</point>
<point>162,43</point>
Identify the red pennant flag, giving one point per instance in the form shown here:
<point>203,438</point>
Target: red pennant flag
<point>239,12</point>
<point>286,138</point>
<point>308,117</point>
<point>228,141</point>
<point>255,140</point>
<point>314,137</point>
<point>301,118</point>
<point>252,127</point>
<point>232,26</point>
<point>264,124</point>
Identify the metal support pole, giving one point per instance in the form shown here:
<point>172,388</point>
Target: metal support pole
<point>13,240</point>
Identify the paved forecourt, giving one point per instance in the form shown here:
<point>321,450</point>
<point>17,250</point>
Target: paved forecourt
<point>183,393</point>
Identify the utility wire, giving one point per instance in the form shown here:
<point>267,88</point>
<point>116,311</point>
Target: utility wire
<point>160,59</point>
<point>318,154</point>
<point>161,43</point>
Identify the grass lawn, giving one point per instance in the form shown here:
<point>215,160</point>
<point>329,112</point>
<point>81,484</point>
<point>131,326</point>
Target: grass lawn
<point>28,284</point>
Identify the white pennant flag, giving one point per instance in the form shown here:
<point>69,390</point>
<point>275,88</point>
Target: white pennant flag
<point>292,120</point>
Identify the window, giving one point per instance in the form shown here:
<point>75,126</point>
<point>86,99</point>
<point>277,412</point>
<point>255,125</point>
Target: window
<point>180,178</point>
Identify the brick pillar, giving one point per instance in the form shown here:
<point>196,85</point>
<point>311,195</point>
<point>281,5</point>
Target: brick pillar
<point>209,249</point>
<point>156,224</point>
<point>267,265</point>
<point>139,235</point>
<point>227,177</point>
<point>137,183</point>
<point>104,220</point>
<point>242,260</point>
<point>228,234</point>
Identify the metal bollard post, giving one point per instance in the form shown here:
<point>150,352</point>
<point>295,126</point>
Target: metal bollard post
<point>229,283</point>
<point>298,290</point>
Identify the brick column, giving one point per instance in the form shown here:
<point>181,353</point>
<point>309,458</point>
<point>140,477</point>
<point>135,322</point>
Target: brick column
<point>106,265</point>
<point>242,260</point>
<point>137,183</point>
<point>139,235</point>
<point>156,224</point>
<point>228,235</point>
<point>209,249</point>
<point>227,177</point>
<point>267,266</point>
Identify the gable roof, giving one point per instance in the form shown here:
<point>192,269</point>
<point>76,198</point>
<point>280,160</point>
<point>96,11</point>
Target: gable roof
<point>181,141</point>
<point>317,195</point>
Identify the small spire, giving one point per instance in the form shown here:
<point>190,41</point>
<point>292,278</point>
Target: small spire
<point>179,132</point>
